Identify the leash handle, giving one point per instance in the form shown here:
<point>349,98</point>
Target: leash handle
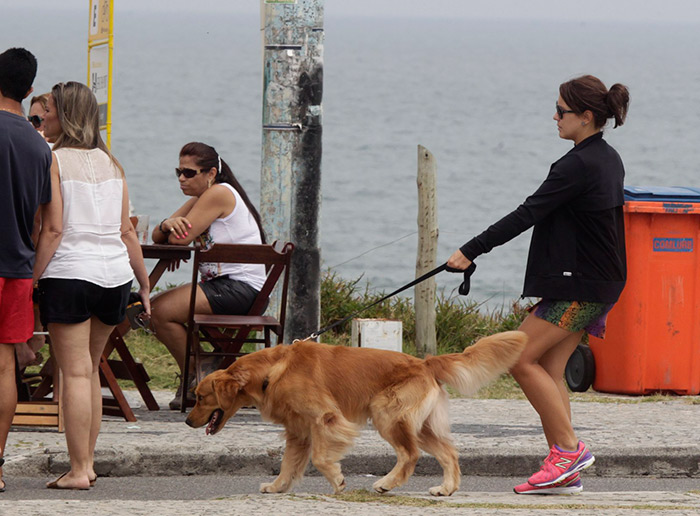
<point>424,277</point>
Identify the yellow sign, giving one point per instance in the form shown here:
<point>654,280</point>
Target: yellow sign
<point>99,20</point>
<point>100,50</point>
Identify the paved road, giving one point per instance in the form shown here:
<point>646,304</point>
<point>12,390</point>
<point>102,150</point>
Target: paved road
<point>210,494</point>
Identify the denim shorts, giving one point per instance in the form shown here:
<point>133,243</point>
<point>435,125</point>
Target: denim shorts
<point>574,316</point>
<point>72,301</point>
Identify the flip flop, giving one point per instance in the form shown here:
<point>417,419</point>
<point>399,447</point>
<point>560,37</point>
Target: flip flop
<point>93,481</point>
<point>54,485</point>
<point>4,485</point>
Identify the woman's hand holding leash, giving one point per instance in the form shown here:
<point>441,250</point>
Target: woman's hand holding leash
<point>458,261</point>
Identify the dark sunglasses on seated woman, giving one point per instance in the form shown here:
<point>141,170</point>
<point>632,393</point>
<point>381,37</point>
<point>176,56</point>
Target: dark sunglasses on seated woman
<point>36,120</point>
<point>561,111</point>
<point>189,173</point>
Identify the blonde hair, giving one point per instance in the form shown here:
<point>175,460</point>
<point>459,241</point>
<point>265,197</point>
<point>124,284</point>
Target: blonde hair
<point>43,99</point>
<point>78,114</point>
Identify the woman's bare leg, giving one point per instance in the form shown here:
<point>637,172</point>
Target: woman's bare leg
<point>99,333</point>
<point>169,312</point>
<point>71,346</point>
<point>539,373</point>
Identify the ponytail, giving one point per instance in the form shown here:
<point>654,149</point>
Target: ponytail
<point>618,99</point>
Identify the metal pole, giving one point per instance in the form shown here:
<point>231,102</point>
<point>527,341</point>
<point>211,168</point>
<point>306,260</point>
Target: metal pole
<point>290,192</point>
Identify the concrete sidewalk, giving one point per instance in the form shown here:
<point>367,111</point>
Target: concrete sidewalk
<point>494,437</point>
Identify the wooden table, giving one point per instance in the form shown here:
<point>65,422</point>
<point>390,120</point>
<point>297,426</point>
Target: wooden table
<point>127,367</point>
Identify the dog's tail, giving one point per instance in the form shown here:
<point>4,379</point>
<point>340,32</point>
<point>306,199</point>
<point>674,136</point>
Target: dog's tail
<point>480,363</point>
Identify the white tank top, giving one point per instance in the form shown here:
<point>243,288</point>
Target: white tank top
<point>91,247</point>
<point>239,227</point>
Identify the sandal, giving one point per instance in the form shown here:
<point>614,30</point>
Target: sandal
<point>54,485</point>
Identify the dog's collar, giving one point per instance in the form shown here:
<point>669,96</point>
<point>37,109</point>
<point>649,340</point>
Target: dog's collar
<point>265,383</point>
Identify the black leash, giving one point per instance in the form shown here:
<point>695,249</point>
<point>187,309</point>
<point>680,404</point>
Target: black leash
<point>463,290</point>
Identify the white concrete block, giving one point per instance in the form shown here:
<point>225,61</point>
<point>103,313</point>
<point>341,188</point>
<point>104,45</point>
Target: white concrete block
<point>378,334</point>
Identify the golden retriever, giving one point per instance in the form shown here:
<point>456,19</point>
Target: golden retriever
<point>324,394</point>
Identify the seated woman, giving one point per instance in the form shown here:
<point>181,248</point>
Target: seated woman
<point>219,211</point>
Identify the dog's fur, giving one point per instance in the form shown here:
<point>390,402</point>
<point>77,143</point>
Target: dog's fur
<point>324,394</point>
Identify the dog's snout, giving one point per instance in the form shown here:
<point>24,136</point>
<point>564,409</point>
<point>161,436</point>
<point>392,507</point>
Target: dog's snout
<point>189,423</point>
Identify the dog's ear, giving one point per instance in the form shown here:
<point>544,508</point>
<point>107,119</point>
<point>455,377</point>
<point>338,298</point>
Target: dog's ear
<point>227,386</point>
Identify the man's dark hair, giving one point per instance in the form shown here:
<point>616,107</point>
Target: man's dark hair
<point>17,72</point>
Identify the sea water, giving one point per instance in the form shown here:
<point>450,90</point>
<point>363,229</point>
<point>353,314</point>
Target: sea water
<point>479,95</point>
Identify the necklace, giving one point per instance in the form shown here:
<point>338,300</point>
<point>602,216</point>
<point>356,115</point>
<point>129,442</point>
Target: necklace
<point>12,111</point>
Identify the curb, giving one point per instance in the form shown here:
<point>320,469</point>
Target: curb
<point>658,462</point>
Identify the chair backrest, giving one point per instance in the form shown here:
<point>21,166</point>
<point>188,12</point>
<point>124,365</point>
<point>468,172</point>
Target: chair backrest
<point>276,258</point>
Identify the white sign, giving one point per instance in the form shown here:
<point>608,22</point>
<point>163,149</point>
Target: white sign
<point>99,78</point>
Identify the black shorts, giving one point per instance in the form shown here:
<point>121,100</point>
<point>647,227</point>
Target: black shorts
<point>228,296</point>
<point>69,301</point>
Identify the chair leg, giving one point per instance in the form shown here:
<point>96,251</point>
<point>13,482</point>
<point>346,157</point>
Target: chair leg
<point>191,348</point>
<point>110,379</point>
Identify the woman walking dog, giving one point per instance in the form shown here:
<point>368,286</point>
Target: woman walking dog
<point>576,265</point>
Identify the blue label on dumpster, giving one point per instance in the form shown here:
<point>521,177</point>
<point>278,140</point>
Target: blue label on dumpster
<point>673,245</point>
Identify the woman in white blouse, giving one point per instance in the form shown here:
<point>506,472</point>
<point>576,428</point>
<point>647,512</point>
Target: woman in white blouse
<point>87,257</point>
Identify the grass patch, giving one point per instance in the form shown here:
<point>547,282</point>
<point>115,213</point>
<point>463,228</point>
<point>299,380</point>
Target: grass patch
<point>365,496</point>
<point>155,357</point>
<point>459,322</point>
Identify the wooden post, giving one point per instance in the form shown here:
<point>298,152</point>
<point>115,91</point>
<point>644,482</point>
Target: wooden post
<point>290,190</point>
<point>426,341</point>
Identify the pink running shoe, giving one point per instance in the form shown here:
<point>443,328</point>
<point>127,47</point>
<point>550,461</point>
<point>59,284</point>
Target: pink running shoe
<point>570,485</point>
<point>561,464</point>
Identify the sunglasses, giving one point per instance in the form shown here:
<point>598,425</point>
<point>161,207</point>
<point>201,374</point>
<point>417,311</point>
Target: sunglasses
<point>36,120</point>
<point>189,173</point>
<point>561,111</point>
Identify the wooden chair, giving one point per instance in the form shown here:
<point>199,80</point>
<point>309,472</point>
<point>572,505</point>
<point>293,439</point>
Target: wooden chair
<point>228,333</point>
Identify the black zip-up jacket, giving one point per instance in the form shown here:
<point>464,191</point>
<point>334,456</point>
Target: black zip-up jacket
<point>577,251</point>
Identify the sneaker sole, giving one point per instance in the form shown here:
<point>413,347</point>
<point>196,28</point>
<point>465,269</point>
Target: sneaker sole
<point>579,467</point>
<point>552,491</point>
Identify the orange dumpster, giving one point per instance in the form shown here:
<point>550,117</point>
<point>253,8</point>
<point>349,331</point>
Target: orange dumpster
<point>652,340</point>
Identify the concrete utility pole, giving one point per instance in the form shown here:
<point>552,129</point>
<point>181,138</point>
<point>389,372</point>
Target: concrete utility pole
<point>290,192</point>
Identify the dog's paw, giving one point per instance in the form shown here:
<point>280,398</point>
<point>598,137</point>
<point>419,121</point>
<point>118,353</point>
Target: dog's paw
<point>379,487</point>
<point>341,486</point>
<point>270,487</point>
<point>440,491</point>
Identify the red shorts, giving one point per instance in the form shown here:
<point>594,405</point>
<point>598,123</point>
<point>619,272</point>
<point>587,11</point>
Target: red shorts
<point>16,310</point>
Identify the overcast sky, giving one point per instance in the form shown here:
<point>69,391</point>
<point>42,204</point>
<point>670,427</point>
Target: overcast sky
<point>686,11</point>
